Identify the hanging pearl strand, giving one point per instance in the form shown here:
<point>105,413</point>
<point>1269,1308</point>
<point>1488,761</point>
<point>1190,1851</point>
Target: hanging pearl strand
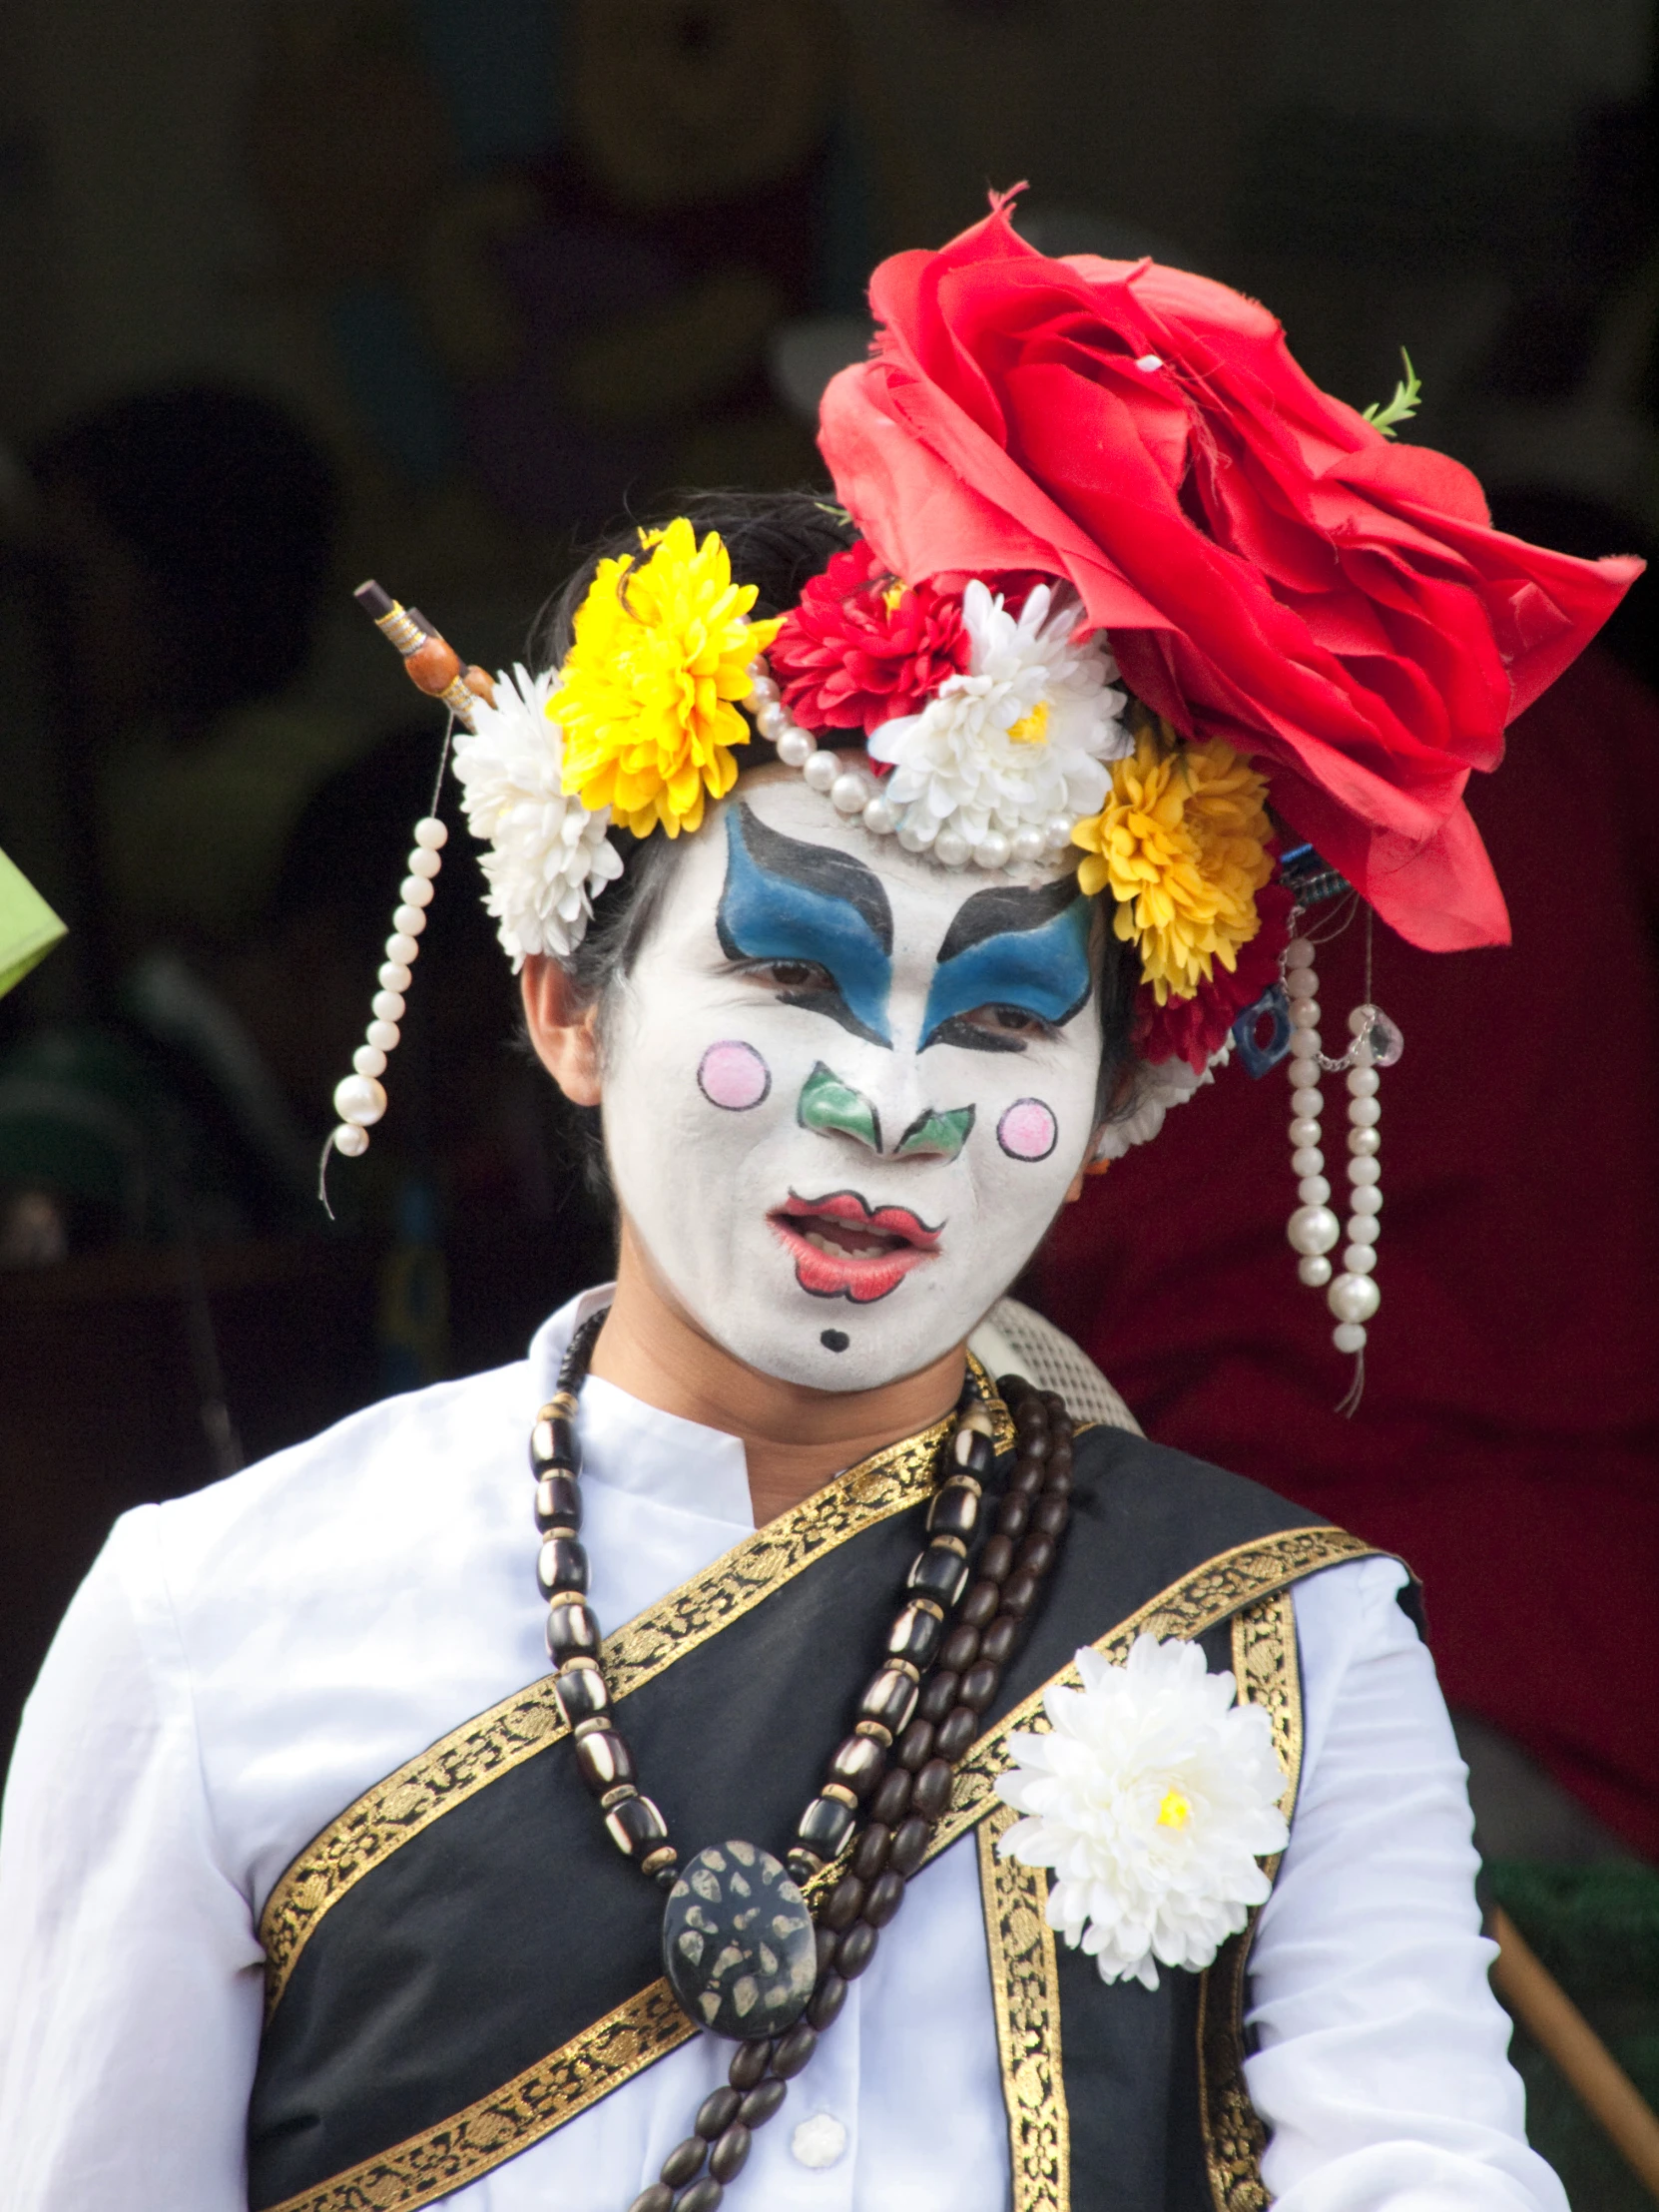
<point>1314,1230</point>
<point>435,668</point>
<point>360,1099</point>
<point>853,792</point>
<point>1354,1297</point>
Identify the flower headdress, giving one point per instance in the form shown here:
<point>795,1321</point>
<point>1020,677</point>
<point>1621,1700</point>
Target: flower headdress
<point>1129,593</point>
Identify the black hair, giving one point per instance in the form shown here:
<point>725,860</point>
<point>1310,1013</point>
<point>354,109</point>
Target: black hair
<point>776,541</point>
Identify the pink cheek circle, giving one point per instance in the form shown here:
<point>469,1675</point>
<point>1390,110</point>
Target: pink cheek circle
<point>1028,1131</point>
<point>733,1076</point>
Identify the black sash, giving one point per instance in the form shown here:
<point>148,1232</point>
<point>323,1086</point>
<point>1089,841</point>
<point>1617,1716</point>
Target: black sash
<point>461,1962</point>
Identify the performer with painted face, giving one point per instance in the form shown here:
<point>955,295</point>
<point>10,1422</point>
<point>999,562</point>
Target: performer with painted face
<point>791,1742</point>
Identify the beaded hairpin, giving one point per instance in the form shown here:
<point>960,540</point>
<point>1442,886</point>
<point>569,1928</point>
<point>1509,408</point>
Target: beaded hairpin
<point>435,668</point>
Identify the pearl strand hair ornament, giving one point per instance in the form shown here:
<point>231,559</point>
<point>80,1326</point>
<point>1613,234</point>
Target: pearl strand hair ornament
<point>434,667</point>
<point>857,795</point>
<point>360,1098</point>
<point>1314,1230</point>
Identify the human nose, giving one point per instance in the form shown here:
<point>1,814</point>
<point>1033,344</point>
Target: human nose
<point>835,1107</point>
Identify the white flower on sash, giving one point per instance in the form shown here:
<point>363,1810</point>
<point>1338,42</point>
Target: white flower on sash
<point>548,854</point>
<point>1151,1799</point>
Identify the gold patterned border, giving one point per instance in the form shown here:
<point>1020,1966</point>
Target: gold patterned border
<point>1025,1992</point>
<point>647,2026</point>
<point>1199,1601</point>
<point>1267,1672</point>
<point>1266,1669</point>
<point>460,1764</point>
<point>459,2150</point>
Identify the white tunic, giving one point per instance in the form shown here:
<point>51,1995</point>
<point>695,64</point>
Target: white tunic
<point>240,1665</point>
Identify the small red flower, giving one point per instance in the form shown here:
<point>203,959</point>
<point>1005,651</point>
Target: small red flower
<point>1191,1029</point>
<point>862,648</point>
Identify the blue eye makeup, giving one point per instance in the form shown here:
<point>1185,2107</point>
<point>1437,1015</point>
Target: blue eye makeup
<point>1026,951</point>
<point>786,901</point>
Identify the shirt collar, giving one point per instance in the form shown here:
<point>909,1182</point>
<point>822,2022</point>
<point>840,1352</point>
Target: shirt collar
<point>634,1447</point>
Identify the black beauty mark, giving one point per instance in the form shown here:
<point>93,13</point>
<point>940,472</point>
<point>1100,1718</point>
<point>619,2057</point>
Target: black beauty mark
<point>835,1340</point>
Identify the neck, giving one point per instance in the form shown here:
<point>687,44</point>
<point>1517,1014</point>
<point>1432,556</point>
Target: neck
<point>793,1438</point>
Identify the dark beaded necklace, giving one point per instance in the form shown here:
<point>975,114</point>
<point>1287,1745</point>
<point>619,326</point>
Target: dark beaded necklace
<point>742,1950</point>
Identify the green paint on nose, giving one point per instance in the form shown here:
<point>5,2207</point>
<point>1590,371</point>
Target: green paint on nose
<point>944,1133</point>
<point>829,1104</point>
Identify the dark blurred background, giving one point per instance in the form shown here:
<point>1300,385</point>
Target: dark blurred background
<point>302,290</point>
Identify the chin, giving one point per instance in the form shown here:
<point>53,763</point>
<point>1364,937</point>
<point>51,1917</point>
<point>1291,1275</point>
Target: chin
<point>878,1345</point>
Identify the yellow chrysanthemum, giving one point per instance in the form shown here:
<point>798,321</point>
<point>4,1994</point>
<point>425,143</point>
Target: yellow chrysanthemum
<point>1181,845</point>
<point>660,653</point>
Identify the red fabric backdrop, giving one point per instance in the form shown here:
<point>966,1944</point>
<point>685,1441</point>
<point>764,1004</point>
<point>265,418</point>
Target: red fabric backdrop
<point>1508,1441</point>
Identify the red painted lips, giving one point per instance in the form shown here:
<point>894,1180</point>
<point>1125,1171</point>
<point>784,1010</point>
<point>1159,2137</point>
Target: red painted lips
<point>843,1247</point>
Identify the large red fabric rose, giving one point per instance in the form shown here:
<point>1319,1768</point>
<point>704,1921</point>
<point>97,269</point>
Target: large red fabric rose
<point>1269,567</point>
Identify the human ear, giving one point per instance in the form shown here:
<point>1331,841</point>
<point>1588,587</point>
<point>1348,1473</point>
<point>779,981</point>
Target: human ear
<point>563,1029</point>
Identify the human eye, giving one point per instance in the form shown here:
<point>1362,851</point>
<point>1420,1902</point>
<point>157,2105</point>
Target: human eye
<point>788,974</point>
<point>1008,1022</point>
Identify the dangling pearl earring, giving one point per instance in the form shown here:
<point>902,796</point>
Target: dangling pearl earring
<point>360,1099</point>
<point>1354,1297</point>
<point>435,668</point>
<point>1313,1230</point>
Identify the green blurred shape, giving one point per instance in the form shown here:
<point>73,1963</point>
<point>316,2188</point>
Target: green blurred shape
<point>82,1115</point>
<point>28,927</point>
<point>1596,1928</point>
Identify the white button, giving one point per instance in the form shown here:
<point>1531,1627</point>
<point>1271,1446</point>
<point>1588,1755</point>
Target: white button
<point>819,2142</point>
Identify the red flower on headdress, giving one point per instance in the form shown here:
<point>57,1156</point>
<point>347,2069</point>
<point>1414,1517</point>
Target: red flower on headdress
<point>1269,567</point>
<point>1191,1029</point>
<point>863,646</point>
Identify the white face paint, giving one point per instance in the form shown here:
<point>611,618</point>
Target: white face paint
<point>845,1089</point>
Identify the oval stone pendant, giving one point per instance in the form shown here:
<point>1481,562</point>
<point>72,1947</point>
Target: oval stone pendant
<point>738,1943</point>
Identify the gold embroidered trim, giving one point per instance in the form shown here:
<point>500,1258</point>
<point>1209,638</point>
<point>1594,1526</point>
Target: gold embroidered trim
<point>1025,1991</point>
<point>463,1762</point>
<point>1198,1602</point>
<point>1266,1669</point>
<point>457,2151</point>
<point>647,2026</point>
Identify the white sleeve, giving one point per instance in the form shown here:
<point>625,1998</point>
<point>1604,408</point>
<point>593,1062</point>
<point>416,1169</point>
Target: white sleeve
<point>129,1989</point>
<point>1382,2064</point>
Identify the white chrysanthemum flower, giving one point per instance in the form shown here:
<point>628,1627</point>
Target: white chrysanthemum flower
<point>1159,1085</point>
<point>1151,1800</point>
<point>549,856</point>
<point>1018,742</point>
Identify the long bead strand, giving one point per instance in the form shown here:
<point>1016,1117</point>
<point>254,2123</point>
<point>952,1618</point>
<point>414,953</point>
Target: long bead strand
<point>907,1806</point>
<point>434,667</point>
<point>1354,1297</point>
<point>1313,1230</point>
<point>360,1098</point>
<point>857,795</point>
